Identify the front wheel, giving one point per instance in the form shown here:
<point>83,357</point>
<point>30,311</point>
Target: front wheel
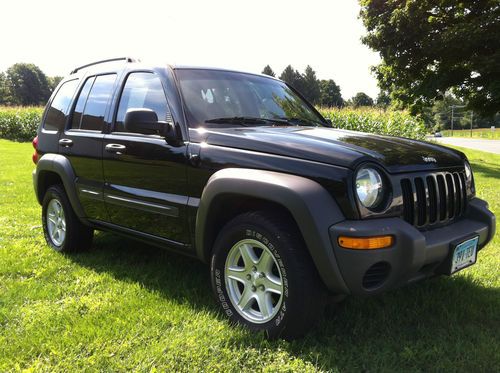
<point>263,276</point>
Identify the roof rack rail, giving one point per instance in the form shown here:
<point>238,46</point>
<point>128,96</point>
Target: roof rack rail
<point>127,59</point>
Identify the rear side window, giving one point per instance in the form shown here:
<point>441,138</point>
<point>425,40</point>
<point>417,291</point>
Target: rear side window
<point>80,103</point>
<point>142,91</point>
<point>93,102</point>
<point>58,110</point>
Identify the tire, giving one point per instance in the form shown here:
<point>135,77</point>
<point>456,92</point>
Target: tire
<point>62,229</point>
<point>256,256</point>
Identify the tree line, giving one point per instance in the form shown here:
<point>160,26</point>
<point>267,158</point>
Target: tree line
<point>435,51</point>
<point>25,84</point>
<point>324,93</point>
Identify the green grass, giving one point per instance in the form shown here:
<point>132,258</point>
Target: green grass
<point>481,133</point>
<point>126,306</point>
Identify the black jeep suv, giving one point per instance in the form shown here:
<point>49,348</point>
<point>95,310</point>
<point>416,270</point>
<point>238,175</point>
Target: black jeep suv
<point>239,171</point>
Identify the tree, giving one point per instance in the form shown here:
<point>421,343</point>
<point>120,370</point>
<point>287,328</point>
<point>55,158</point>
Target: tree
<point>311,89</point>
<point>268,71</point>
<point>429,46</point>
<point>361,99</point>
<point>28,85</point>
<point>4,89</point>
<point>294,78</point>
<point>53,82</point>
<point>330,95</point>
<point>383,99</point>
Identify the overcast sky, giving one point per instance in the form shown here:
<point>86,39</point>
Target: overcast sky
<point>243,35</point>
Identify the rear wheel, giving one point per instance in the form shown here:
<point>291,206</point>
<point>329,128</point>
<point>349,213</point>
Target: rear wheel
<point>263,276</point>
<point>62,229</point>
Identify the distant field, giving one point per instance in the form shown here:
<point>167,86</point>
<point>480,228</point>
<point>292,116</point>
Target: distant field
<point>483,133</point>
<point>21,123</point>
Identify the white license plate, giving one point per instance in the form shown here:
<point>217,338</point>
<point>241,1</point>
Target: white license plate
<point>464,255</point>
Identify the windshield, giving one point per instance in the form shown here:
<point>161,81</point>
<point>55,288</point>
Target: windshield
<point>220,98</point>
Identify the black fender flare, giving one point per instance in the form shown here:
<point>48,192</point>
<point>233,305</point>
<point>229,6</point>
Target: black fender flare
<point>312,207</point>
<point>61,166</point>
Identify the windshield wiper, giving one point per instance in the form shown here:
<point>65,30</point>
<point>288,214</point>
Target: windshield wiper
<point>300,121</point>
<point>283,121</point>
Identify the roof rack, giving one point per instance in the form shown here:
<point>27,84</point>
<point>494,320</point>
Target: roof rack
<point>127,59</point>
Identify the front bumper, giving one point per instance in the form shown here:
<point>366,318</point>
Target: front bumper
<point>414,255</point>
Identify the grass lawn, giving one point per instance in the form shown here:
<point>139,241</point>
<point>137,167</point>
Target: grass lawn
<point>481,133</point>
<point>127,306</point>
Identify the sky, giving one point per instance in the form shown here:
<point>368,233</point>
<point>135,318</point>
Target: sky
<point>241,35</point>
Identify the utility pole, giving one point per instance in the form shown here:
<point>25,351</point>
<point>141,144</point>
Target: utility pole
<point>452,112</point>
<point>471,120</point>
<point>452,120</point>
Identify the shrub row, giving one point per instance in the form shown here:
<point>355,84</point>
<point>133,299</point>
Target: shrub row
<point>383,122</point>
<point>19,123</point>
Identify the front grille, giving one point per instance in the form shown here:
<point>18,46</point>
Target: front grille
<point>434,198</point>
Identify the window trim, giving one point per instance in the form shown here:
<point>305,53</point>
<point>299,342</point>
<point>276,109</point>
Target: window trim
<point>117,105</point>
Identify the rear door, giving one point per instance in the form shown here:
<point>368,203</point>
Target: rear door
<point>145,177</point>
<point>82,141</point>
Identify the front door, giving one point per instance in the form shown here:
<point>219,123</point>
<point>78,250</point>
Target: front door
<point>145,177</point>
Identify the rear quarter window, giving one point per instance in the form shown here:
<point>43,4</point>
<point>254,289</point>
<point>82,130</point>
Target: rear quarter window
<point>57,113</point>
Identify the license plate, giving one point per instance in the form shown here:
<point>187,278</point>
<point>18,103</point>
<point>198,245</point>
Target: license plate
<point>464,254</point>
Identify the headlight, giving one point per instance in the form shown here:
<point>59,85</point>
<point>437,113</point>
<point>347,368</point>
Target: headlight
<point>469,179</point>
<point>369,187</point>
<point>468,172</point>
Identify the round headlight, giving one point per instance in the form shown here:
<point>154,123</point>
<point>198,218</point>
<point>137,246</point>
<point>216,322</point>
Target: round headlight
<point>369,187</point>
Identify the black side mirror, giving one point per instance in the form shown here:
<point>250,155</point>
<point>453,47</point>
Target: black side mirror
<point>328,121</point>
<point>143,121</point>
<point>146,121</point>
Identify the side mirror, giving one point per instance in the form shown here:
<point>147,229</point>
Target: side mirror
<point>143,121</point>
<point>328,121</point>
<point>146,121</point>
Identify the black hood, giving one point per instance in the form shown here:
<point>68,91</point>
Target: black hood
<point>336,147</point>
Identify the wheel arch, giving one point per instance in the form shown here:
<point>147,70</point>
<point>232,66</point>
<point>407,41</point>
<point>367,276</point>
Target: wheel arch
<point>234,190</point>
<point>56,169</point>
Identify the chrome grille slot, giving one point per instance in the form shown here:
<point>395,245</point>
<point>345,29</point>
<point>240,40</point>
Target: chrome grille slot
<point>433,198</point>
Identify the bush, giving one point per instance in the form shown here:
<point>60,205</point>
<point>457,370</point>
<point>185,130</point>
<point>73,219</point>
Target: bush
<point>383,122</point>
<point>19,123</point>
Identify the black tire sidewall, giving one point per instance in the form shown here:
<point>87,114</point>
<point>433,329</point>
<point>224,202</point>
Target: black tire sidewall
<point>227,239</point>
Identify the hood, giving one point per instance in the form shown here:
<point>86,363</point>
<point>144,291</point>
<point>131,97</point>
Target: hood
<point>333,146</point>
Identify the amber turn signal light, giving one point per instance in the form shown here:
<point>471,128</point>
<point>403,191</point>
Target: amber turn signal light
<point>365,243</point>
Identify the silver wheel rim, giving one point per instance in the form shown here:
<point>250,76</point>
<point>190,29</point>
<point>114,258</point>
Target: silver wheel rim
<point>56,222</point>
<point>254,281</point>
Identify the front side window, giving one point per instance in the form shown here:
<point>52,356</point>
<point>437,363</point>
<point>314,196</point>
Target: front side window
<point>215,98</point>
<point>58,110</point>
<point>142,91</point>
<point>97,101</point>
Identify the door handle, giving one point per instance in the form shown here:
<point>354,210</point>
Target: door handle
<point>115,148</point>
<point>66,143</point>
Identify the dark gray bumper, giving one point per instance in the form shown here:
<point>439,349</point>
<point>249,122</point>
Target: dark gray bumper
<point>414,255</point>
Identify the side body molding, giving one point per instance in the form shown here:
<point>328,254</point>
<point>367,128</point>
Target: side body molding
<point>313,209</point>
<point>60,165</point>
